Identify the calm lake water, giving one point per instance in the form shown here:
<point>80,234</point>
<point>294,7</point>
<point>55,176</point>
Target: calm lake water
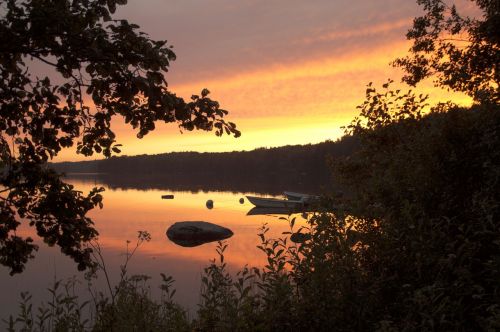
<point>127,211</point>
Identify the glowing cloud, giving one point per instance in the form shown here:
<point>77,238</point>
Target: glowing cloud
<point>301,91</point>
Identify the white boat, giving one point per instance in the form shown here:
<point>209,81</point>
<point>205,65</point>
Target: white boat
<point>275,202</point>
<point>300,197</point>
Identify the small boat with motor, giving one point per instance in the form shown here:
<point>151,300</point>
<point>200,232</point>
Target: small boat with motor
<point>306,198</point>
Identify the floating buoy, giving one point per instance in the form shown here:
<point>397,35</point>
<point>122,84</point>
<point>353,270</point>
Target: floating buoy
<point>242,200</point>
<point>210,204</point>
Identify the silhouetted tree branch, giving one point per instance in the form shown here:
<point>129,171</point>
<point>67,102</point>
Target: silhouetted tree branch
<point>125,72</point>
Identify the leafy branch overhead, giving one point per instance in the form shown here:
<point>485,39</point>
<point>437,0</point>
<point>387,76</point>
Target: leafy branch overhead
<point>95,68</point>
<point>461,52</point>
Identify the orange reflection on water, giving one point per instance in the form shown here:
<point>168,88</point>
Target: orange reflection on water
<point>127,211</point>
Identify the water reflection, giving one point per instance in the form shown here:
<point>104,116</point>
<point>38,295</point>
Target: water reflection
<point>272,185</point>
<point>127,211</point>
<point>256,211</point>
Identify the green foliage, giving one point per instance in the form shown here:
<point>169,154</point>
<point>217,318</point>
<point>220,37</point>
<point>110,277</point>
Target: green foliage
<point>63,312</point>
<point>252,300</point>
<point>54,208</point>
<point>135,310</point>
<point>129,305</point>
<point>84,52</point>
<point>218,300</point>
<point>462,52</point>
<point>380,109</point>
<point>429,190</point>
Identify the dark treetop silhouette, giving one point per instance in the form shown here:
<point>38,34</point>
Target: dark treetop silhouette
<point>461,52</point>
<point>90,54</point>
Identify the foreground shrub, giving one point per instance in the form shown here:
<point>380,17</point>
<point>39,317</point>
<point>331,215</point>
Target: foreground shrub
<point>135,310</point>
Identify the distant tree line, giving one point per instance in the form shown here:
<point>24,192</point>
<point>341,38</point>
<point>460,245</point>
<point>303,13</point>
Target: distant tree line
<point>271,170</point>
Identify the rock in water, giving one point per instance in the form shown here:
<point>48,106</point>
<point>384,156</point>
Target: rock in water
<point>195,233</point>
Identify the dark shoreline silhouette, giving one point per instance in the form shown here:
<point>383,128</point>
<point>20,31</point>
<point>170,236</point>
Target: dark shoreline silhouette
<point>301,168</point>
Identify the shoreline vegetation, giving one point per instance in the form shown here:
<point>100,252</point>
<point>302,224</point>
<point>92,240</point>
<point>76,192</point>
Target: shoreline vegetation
<point>413,246</point>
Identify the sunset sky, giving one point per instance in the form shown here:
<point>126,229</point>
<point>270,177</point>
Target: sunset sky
<point>288,71</point>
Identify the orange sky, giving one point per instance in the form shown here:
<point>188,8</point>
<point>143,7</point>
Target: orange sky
<point>289,72</point>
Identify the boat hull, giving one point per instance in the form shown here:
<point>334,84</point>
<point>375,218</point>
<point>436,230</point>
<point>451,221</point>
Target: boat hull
<point>274,202</point>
